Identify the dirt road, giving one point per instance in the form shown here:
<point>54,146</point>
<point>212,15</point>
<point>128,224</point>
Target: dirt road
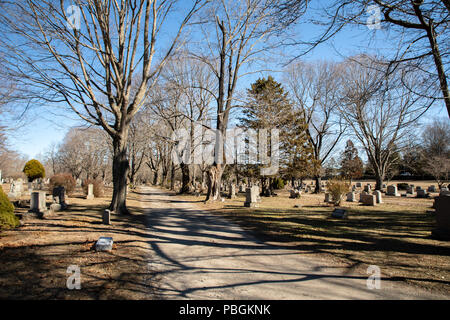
<point>198,255</point>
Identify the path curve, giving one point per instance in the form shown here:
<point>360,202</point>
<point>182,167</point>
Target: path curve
<point>198,255</point>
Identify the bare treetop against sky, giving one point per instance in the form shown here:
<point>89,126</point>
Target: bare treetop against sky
<point>50,126</point>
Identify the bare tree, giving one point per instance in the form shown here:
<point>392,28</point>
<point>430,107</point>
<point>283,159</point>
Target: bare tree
<point>439,168</point>
<point>380,109</point>
<point>418,30</point>
<point>315,90</point>
<point>236,35</point>
<point>93,66</point>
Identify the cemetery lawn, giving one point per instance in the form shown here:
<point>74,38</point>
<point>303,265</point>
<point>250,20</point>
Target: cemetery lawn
<point>394,235</point>
<point>35,257</point>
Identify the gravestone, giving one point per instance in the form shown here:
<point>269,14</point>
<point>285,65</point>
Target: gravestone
<point>106,218</point>
<point>59,194</point>
<point>104,244</point>
<point>392,191</point>
<point>353,188</point>
<point>251,197</point>
<point>367,187</point>
<point>418,188</point>
<point>294,194</point>
<point>442,206</point>
<point>358,185</point>
<point>351,197</point>
<point>339,213</point>
<point>421,193</point>
<point>232,193</point>
<point>368,199</point>
<point>431,189</point>
<point>37,203</point>
<point>327,197</point>
<point>384,186</point>
<point>410,189</point>
<point>14,190</point>
<point>444,192</point>
<point>377,194</point>
<point>90,194</point>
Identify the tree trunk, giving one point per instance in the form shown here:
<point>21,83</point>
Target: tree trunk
<point>214,177</point>
<point>172,177</point>
<point>120,173</point>
<point>318,180</point>
<point>185,179</point>
<point>379,177</point>
<point>155,177</point>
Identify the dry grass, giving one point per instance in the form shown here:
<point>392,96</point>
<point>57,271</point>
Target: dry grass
<point>394,235</point>
<point>36,256</point>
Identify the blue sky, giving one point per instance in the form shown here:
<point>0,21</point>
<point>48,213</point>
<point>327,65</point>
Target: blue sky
<point>45,127</point>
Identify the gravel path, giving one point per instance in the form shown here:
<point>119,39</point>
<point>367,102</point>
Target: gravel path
<point>198,255</point>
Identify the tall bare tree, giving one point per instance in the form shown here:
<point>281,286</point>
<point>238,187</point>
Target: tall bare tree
<point>315,90</point>
<point>236,35</point>
<point>380,109</point>
<point>89,56</point>
<point>417,30</point>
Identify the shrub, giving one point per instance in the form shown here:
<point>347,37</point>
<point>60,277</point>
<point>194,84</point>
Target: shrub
<point>402,186</point>
<point>63,180</point>
<point>8,219</point>
<point>98,187</point>
<point>338,189</point>
<point>34,170</point>
<point>278,183</point>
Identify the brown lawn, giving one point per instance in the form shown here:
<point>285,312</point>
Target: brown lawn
<point>35,257</point>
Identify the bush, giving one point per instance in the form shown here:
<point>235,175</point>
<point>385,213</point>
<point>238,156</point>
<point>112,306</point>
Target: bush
<point>402,186</point>
<point>98,187</point>
<point>8,219</point>
<point>338,189</point>
<point>34,170</point>
<point>63,180</point>
<point>278,183</point>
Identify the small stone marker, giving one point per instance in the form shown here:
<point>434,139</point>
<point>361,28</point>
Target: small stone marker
<point>367,187</point>
<point>294,194</point>
<point>351,197</point>
<point>90,195</point>
<point>104,244</point>
<point>232,193</point>
<point>368,199</point>
<point>358,185</point>
<point>327,197</point>
<point>421,193</point>
<point>37,203</point>
<point>339,213</point>
<point>107,217</point>
<point>392,191</point>
<point>410,189</point>
<point>251,197</point>
<point>442,206</point>
<point>377,194</point>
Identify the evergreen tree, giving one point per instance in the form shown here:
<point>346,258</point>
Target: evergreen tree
<point>269,107</point>
<point>351,164</point>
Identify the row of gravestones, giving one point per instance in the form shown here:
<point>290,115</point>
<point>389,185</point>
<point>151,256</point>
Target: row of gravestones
<point>364,197</point>
<point>58,198</point>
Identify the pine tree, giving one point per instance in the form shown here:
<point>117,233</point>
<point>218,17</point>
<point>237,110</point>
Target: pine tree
<point>351,164</point>
<point>269,107</point>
